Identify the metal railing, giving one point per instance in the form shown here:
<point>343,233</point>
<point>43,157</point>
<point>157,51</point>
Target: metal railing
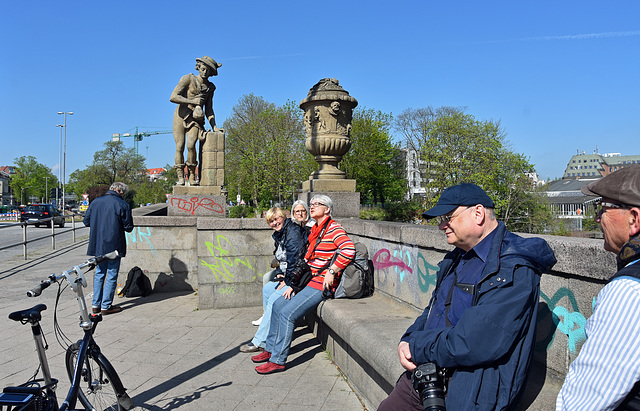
<point>25,241</point>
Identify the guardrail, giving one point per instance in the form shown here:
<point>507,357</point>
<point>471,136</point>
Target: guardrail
<point>25,241</point>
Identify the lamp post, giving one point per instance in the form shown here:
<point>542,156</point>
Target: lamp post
<point>21,191</point>
<point>58,203</point>
<point>46,187</point>
<point>64,155</point>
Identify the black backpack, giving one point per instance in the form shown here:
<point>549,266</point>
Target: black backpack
<point>137,285</point>
<point>356,280</point>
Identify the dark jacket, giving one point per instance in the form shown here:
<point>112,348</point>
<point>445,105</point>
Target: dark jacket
<point>490,348</point>
<point>109,217</point>
<point>292,238</point>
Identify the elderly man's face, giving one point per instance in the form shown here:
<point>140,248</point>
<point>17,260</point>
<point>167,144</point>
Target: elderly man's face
<point>615,226</point>
<point>460,227</point>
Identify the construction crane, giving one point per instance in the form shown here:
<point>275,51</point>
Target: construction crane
<point>137,136</point>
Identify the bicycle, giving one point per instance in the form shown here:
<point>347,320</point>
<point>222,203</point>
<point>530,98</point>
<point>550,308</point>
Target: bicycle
<point>94,381</point>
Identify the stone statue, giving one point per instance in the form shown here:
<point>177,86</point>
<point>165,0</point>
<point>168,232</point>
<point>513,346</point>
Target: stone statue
<point>192,94</point>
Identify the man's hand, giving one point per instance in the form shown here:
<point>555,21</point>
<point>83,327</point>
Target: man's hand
<point>405,356</point>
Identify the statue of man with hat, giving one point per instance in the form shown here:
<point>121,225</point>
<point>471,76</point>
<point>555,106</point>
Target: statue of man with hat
<point>194,97</point>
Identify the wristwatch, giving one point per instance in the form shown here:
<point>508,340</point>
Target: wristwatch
<point>331,271</point>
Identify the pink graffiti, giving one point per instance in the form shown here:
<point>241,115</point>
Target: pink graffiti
<point>382,259</point>
<point>192,205</point>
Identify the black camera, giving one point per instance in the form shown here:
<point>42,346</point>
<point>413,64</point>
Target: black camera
<point>298,271</point>
<point>428,381</point>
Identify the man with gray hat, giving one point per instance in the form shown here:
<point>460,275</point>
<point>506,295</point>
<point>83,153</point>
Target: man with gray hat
<point>480,324</point>
<point>192,94</point>
<point>606,373</point>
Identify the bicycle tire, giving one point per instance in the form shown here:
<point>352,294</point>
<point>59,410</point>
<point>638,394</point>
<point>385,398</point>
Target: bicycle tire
<point>100,386</point>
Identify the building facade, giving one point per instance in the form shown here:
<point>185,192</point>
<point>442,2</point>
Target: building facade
<point>596,165</point>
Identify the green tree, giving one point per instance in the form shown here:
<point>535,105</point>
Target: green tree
<point>31,179</point>
<point>455,148</point>
<point>264,150</point>
<point>373,160</point>
<point>114,163</point>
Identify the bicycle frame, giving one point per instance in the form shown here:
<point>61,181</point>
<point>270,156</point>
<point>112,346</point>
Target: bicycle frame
<point>75,278</point>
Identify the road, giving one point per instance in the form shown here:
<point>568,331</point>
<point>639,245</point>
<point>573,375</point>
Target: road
<point>13,234</point>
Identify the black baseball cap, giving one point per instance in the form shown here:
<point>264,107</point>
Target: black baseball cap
<point>465,194</point>
<point>622,186</point>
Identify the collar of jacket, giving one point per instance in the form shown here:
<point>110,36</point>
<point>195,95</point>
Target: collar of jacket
<point>629,252</point>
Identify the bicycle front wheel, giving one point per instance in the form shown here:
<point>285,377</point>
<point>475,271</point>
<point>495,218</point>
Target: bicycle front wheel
<point>100,387</point>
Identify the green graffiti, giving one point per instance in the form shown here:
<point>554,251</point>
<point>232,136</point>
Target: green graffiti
<point>428,277</point>
<point>221,260</point>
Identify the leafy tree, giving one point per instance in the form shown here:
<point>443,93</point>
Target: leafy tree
<point>265,155</point>
<point>31,178</point>
<point>114,163</point>
<point>374,161</point>
<point>456,148</point>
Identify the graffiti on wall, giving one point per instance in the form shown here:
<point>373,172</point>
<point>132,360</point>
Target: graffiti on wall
<point>571,323</point>
<point>404,267</point>
<point>222,261</point>
<point>140,235</point>
<point>194,203</point>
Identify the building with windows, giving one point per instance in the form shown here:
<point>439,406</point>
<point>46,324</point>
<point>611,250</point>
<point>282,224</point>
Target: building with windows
<point>153,174</point>
<point>414,169</point>
<point>596,165</point>
<point>5,188</point>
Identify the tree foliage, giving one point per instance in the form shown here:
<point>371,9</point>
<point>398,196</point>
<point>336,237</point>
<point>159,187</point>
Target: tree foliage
<point>456,148</point>
<point>374,161</point>
<point>264,150</point>
<point>114,163</point>
<point>31,178</point>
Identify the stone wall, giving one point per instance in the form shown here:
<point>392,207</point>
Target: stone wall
<point>225,259</point>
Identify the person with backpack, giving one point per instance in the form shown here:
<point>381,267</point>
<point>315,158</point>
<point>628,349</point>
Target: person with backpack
<point>606,373</point>
<point>475,339</point>
<point>327,238</point>
<point>108,218</point>
<point>289,243</point>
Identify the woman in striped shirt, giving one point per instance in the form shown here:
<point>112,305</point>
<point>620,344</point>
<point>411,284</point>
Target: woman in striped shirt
<point>327,239</point>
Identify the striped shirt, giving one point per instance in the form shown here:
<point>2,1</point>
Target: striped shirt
<point>609,362</point>
<point>334,240</point>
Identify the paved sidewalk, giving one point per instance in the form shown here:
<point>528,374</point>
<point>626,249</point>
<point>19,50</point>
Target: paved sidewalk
<point>168,354</point>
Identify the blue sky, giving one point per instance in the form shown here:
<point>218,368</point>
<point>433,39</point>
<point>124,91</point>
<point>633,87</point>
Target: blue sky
<point>560,76</point>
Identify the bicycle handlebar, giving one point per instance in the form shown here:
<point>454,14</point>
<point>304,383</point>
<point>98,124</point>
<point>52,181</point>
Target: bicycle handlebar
<point>91,263</point>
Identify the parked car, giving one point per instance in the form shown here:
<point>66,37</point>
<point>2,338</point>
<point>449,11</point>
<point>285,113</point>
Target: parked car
<point>34,213</point>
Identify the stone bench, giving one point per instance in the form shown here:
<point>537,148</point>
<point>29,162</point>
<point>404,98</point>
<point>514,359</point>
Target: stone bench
<point>362,337</point>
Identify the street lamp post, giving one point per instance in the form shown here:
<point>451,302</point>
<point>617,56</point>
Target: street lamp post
<point>22,191</point>
<point>58,203</point>
<point>46,187</point>
<point>64,155</point>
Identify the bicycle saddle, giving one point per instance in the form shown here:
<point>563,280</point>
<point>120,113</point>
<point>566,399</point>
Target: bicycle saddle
<point>31,315</point>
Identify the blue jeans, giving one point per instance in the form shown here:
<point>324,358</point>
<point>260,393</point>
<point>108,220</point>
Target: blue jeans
<point>104,290</point>
<point>283,317</point>
<point>269,296</point>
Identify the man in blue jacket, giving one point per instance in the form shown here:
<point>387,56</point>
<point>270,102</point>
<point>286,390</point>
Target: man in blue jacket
<point>108,217</point>
<point>480,323</point>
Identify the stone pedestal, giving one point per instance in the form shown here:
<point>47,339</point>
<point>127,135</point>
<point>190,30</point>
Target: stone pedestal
<point>329,185</point>
<point>212,160</point>
<point>207,199</point>
<point>196,201</point>
<point>345,204</point>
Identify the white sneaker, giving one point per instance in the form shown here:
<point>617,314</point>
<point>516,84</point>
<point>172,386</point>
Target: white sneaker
<point>257,322</point>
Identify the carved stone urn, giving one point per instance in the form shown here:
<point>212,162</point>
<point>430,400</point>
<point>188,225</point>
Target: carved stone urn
<point>328,110</point>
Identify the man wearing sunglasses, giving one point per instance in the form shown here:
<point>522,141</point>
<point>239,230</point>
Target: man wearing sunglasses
<point>606,373</point>
<point>480,323</point>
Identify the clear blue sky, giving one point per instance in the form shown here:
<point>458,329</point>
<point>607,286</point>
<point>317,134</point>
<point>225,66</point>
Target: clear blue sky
<point>561,76</point>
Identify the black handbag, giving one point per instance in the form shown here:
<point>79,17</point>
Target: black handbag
<point>301,274</point>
